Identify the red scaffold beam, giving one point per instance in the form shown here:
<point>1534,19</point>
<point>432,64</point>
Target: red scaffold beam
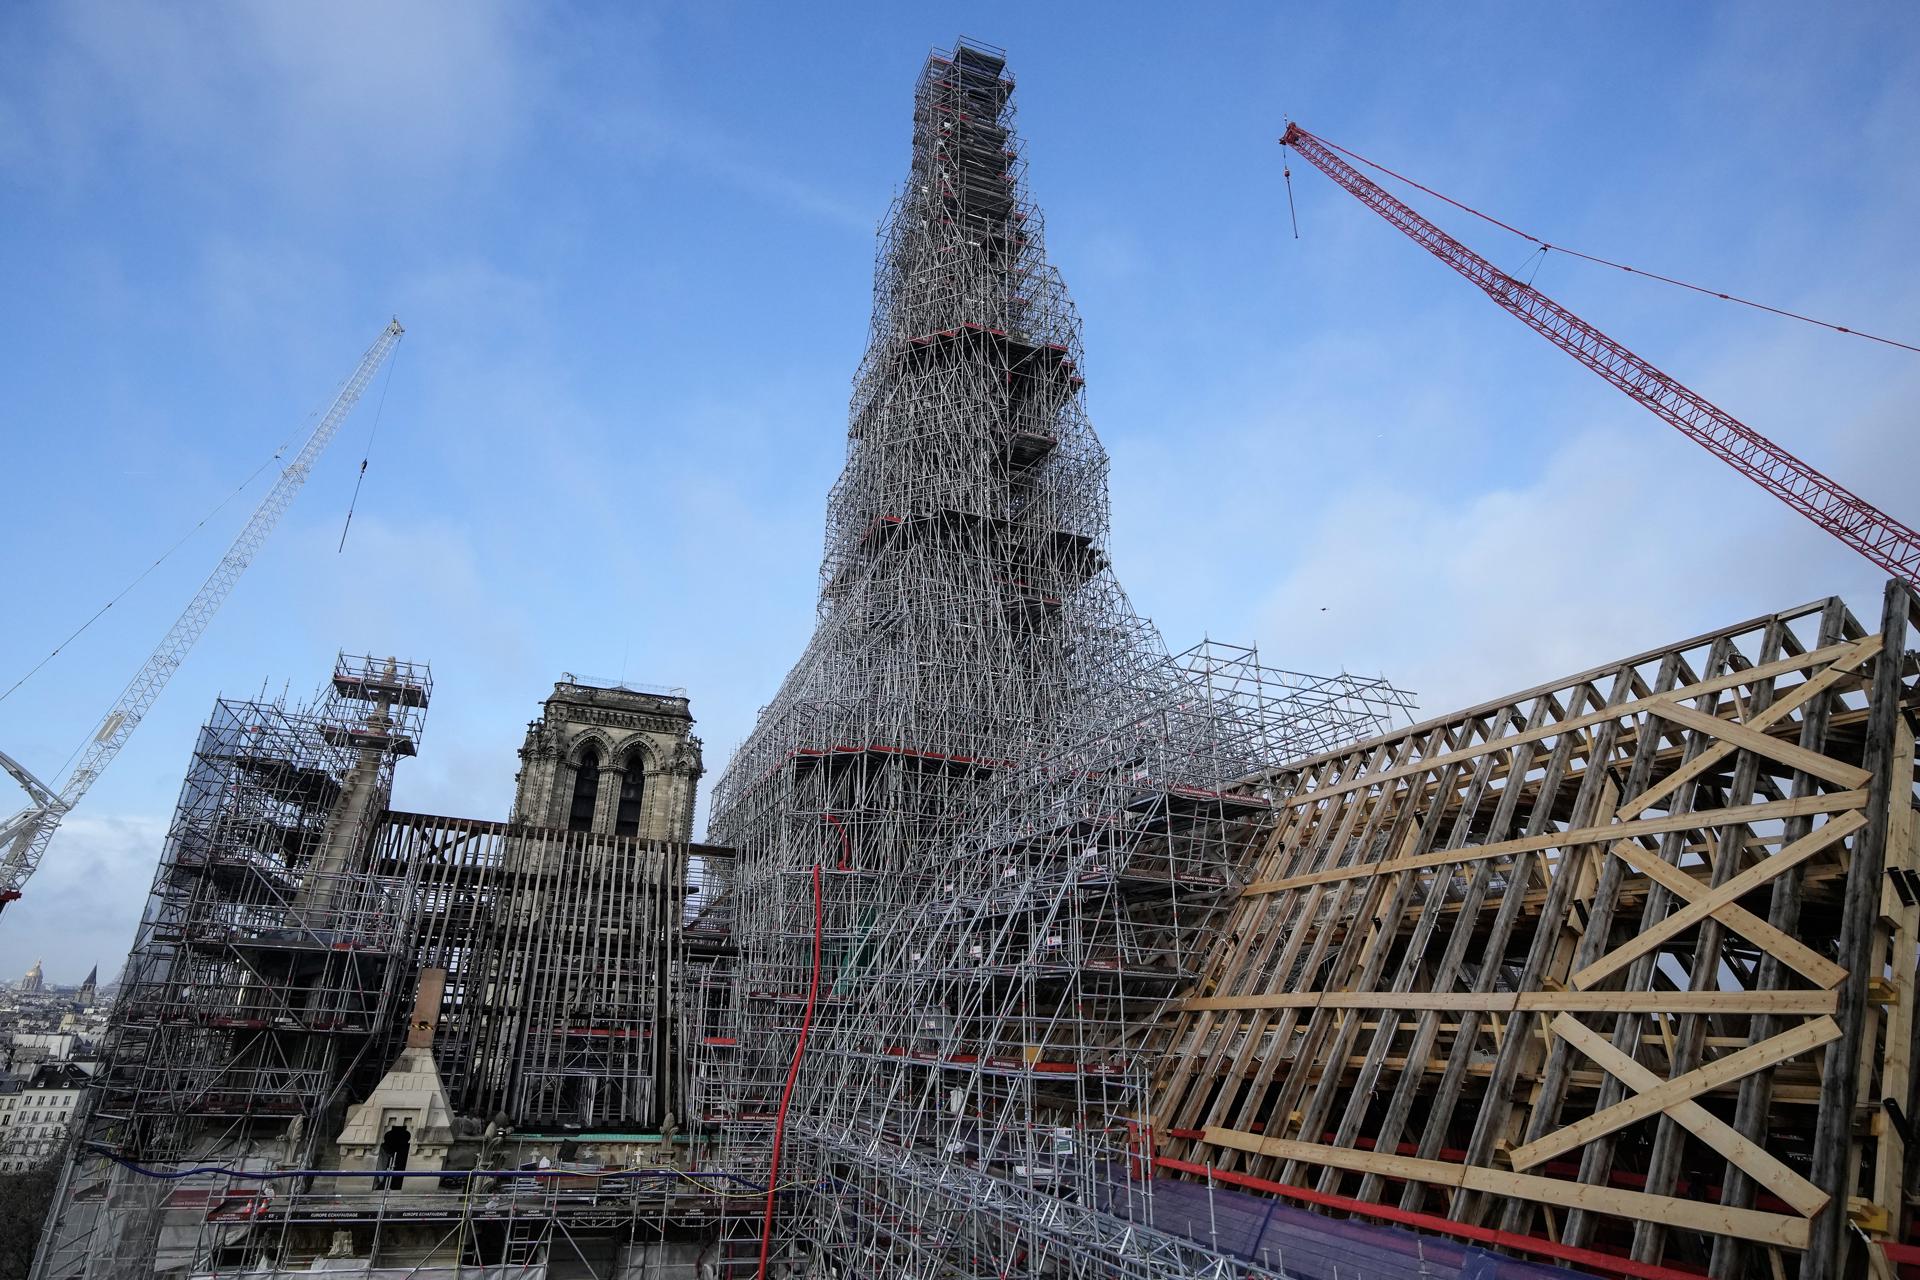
<point>1887,542</point>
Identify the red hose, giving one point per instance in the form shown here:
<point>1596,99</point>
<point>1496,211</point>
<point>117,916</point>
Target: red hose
<point>846,845</point>
<point>793,1073</point>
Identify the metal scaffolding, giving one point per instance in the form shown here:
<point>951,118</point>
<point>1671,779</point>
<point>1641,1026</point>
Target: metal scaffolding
<point>1031,948</point>
<point>981,837</point>
<point>984,830</point>
<point>292,920</point>
<point>265,964</point>
<point>564,953</point>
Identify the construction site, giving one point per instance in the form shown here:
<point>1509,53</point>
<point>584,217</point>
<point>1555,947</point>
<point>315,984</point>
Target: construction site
<point>1018,944</point>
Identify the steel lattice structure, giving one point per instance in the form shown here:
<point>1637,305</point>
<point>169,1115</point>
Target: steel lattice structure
<point>24,836</point>
<point>1889,543</point>
<point>293,920</point>
<point>983,828</point>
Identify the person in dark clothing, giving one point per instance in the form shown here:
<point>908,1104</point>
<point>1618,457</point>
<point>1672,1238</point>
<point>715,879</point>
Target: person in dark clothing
<point>395,1143</point>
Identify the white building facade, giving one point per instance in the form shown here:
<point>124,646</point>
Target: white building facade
<point>36,1114</point>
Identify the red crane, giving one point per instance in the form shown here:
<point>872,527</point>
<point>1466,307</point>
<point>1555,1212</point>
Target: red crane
<point>1879,537</point>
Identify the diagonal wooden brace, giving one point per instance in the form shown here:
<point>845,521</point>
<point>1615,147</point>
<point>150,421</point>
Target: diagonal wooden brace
<point>1721,903</point>
<point>1675,1098</point>
<point>1838,772</point>
<point>1843,666</point>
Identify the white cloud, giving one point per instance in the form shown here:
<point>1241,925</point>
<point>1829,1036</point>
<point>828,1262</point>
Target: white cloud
<point>1625,540</point>
<point>303,97</point>
<point>83,905</point>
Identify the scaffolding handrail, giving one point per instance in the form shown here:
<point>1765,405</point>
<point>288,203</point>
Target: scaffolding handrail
<point>552,1172</point>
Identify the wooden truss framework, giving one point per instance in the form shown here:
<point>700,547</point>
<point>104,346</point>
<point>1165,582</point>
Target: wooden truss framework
<point>1610,963</point>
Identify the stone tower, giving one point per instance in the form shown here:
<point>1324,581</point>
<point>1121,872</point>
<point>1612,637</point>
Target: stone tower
<point>610,760</point>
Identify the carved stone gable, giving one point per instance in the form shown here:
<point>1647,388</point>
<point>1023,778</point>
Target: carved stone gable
<point>647,757</point>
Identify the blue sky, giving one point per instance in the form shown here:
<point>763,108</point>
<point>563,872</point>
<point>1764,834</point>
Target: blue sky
<point>633,249</point>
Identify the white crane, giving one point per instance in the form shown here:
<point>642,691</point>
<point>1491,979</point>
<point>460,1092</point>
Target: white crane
<point>24,836</point>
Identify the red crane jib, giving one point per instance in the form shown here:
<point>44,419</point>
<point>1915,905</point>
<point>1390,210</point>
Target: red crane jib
<point>1888,543</point>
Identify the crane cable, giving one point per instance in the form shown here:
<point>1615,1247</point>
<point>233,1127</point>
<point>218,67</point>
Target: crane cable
<point>367,452</point>
<point>1620,266</point>
<point>142,576</point>
<point>1286,171</point>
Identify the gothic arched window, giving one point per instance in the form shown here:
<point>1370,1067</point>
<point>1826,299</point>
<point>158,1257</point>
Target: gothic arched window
<point>586,788</point>
<point>626,821</point>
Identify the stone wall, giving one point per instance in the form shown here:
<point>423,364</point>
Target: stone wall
<point>626,730</point>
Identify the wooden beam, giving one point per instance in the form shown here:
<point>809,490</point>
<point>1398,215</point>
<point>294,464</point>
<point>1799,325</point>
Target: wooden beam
<point>1896,1079</point>
<point>1750,1224</point>
<point>1749,926</point>
<point>1675,1098</point>
<point>1372,1059</point>
<point>1751,675</point>
<point>1803,806</point>
<point>1835,1152</point>
<point>1838,772</point>
<point>1811,687</point>
<point>1778,1003</point>
<point>1714,902</point>
<point>1739,1150</point>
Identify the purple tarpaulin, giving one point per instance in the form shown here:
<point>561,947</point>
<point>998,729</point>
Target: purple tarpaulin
<point>1313,1246</point>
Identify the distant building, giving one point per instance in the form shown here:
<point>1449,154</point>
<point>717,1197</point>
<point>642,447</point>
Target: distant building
<point>48,1046</point>
<point>36,1114</point>
<point>34,982</point>
<point>89,989</point>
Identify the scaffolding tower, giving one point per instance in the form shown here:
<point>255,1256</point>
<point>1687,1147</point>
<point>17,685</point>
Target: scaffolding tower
<point>987,824</point>
<point>294,920</point>
<point>263,971</point>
